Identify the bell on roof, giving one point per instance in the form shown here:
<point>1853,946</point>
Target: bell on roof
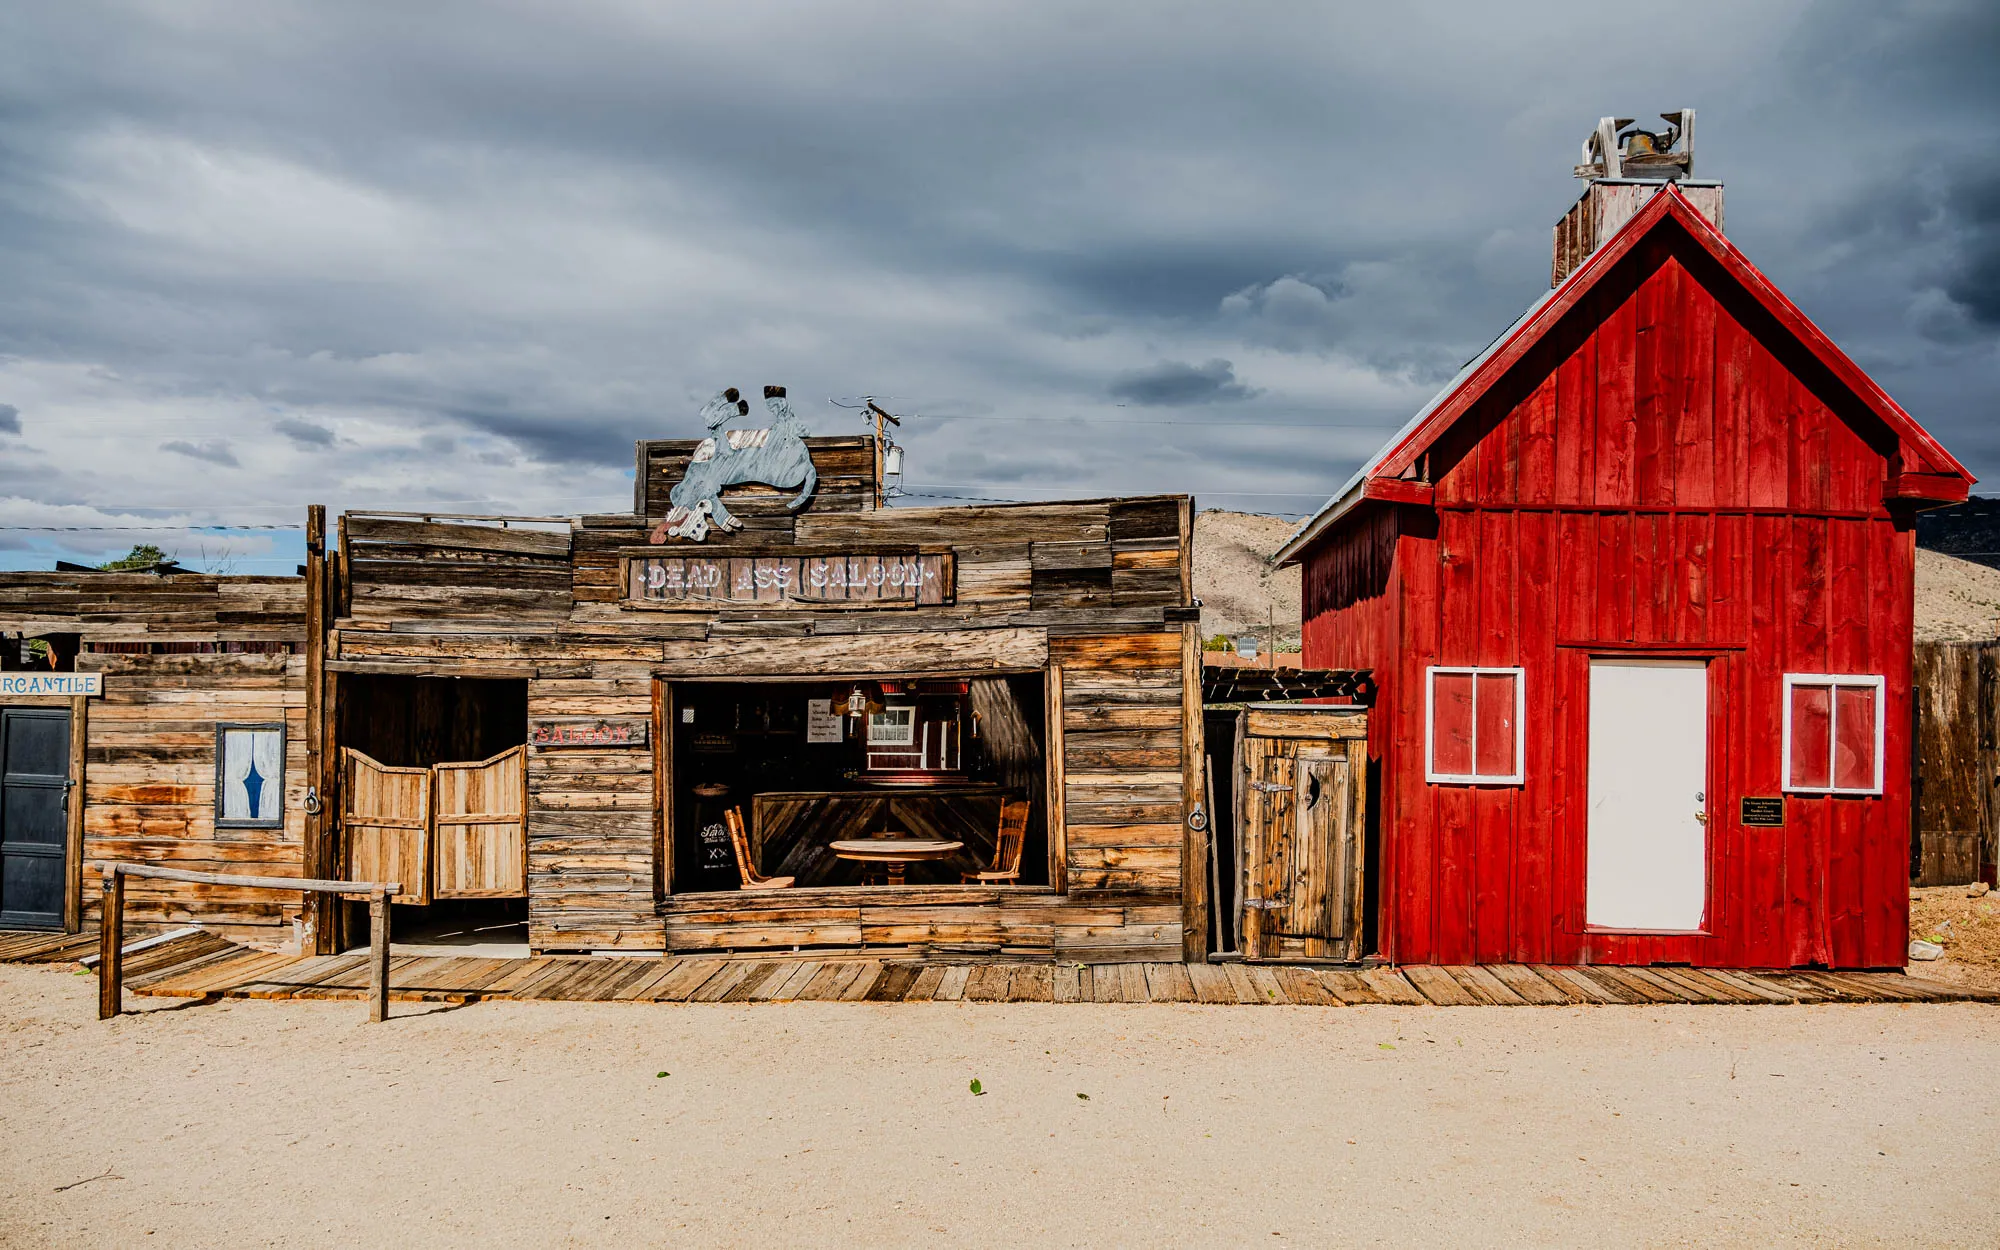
<point>1618,149</point>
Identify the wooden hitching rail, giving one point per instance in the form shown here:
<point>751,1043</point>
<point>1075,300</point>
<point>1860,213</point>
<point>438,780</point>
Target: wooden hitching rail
<point>111,935</point>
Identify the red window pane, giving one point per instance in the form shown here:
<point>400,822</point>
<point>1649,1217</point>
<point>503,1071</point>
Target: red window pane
<point>1812,716</point>
<point>1451,723</point>
<point>1854,737</point>
<point>1494,710</point>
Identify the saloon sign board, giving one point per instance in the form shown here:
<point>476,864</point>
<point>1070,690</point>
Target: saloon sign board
<point>588,731</point>
<point>818,581</point>
<point>66,685</point>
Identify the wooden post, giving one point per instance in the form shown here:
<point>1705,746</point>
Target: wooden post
<point>111,947</point>
<point>1194,798</point>
<point>378,958</point>
<point>317,909</point>
<point>1058,775</point>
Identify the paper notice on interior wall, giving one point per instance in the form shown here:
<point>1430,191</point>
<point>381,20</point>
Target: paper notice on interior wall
<point>821,724</point>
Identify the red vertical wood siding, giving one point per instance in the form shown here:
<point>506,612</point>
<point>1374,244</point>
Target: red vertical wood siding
<point>1662,473</point>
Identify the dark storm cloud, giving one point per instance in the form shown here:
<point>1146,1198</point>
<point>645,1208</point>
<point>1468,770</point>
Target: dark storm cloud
<point>304,433</point>
<point>213,450</point>
<point>1976,284</point>
<point>1172,384</point>
<point>10,419</point>
<point>490,244</point>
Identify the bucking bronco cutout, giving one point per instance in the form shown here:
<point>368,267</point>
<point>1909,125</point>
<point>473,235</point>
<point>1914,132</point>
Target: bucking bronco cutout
<point>774,456</point>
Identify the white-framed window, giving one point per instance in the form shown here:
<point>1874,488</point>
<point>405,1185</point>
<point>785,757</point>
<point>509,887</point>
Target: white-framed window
<point>892,727</point>
<point>1833,733</point>
<point>250,776</point>
<point>1472,725</point>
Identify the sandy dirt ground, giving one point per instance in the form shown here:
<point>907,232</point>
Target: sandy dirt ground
<point>1967,926</point>
<point>549,1124</point>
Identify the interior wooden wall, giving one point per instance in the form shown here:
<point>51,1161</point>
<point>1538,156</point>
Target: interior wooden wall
<point>410,722</point>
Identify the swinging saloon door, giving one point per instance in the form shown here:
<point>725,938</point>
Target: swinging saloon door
<point>1301,802</point>
<point>482,840</point>
<point>386,815</point>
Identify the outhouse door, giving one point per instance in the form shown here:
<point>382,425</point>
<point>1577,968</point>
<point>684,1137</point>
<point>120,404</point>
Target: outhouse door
<point>1300,809</point>
<point>34,816</point>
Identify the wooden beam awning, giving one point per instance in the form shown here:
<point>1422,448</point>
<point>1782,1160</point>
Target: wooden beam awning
<point>1286,685</point>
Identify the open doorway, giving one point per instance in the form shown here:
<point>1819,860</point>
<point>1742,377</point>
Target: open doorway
<point>888,782</point>
<point>443,761</point>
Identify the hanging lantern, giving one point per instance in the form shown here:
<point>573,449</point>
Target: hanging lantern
<point>857,704</point>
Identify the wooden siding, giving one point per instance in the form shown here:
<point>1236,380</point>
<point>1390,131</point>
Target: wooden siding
<point>147,607</point>
<point>148,768</point>
<point>149,788</point>
<point>1122,792</point>
<point>1666,468</point>
<point>1096,589</point>
<point>411,570</point>
<point>1957,691</point>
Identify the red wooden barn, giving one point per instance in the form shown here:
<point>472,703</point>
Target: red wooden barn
<point>1637,591</point>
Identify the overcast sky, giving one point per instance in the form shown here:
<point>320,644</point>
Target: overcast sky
<point>459,256</point>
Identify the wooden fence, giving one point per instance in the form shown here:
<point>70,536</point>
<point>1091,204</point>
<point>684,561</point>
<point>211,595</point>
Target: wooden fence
<point>1957,687</point>
<point>111,948</point>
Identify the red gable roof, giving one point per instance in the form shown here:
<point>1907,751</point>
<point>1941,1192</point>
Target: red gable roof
<point>1927,472</point>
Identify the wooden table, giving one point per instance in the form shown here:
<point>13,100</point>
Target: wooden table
<point>894,852</point>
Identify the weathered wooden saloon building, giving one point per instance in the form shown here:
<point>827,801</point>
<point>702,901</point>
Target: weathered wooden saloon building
<point>684,727</point>
<point>1636,588</point>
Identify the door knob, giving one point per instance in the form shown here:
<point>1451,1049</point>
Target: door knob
<point>1702,817</point>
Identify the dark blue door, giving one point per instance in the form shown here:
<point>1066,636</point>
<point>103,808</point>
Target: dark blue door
<point>34,829</point>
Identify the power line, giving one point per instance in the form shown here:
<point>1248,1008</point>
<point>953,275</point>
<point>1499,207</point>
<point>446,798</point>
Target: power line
<point>128,529</point>
<point>918,494</point>
<point>1272,494</point>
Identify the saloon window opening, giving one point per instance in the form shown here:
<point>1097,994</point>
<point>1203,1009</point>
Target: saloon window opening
<point>808,765</point>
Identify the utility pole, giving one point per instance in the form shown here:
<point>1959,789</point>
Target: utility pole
<point>880,415</point>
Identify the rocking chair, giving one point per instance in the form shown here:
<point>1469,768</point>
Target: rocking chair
<point>741,841</point>
<point>1006,846</point>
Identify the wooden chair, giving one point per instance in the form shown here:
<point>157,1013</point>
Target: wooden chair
<point>741,840</point>
<point>1007,846</point>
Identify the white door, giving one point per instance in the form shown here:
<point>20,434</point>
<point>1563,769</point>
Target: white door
<point>1648,837</point>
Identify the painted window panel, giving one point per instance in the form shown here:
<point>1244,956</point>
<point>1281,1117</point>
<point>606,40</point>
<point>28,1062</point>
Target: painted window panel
<point>1494,742</point>
<point>895,727</point>
<point>1812,734</point>
<point>1854,738</point>
<point>1451,724</point>
<point>1473,726</point>
<point>250,775</point>
<point>1833,733</point>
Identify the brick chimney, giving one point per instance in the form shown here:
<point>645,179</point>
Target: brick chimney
<point>1624,167</point>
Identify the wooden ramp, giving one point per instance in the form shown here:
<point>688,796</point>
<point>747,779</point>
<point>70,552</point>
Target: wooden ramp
<point>200,965</point>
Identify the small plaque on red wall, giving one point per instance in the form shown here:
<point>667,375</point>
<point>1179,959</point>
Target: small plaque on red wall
<point>1764,812</point>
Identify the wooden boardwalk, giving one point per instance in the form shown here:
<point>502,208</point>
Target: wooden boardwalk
<point>203,966</point>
